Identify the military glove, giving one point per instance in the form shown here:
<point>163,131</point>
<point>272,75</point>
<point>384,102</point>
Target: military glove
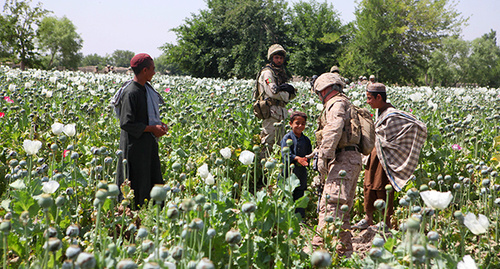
<point>318,183</point>
<point>287,88</point>
<point>323,167</point>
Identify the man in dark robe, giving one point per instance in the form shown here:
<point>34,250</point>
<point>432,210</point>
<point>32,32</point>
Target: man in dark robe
<point>136,105</point>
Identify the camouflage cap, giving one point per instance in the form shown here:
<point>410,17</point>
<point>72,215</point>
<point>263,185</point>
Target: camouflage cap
<point>274,49</point>
<point>334,69</point>
<point>375,87</point>
<point>326,80</point>
<point>372,76</point>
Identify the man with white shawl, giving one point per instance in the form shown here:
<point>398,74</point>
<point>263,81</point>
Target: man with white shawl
<point>136,105</point>
<point>399,140</point>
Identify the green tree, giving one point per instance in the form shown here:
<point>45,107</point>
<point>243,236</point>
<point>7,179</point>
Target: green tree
<point>93,59</point>
<point>59,38</point>
<point>5,49</point>
<point>393,38</point>
<point>230,38</point>
<point>449,64</point>
<point>163,66</point>
<point>121,58</point>
<point>317,38</point>
<point>484,60</point>
<point>22,21</point>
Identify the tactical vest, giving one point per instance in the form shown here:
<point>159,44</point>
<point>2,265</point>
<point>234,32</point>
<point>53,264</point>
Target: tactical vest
<point>279,80</point>
<point>349,136</point>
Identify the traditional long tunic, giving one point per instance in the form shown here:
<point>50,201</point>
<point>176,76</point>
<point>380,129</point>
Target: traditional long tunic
<point>139,148</point>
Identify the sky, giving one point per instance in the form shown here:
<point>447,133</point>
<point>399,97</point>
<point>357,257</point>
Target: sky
<point>109,25</point>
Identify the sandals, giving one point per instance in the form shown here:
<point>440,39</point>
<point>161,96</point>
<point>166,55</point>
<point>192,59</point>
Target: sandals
<point>361,225</point>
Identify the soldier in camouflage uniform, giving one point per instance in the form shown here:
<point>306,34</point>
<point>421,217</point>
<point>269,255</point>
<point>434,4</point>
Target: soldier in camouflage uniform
<point>337,149</point>
<point>271,86</point>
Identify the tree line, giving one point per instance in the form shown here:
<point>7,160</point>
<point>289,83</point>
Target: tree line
<point>31,37</point>
<point>413,42</point>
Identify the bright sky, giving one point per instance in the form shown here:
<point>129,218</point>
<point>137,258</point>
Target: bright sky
<point>108,25</point>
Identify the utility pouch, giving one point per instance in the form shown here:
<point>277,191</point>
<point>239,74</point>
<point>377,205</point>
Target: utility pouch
<point>262,109</point>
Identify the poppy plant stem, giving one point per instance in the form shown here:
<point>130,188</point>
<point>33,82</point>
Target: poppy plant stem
<point>5,249</point>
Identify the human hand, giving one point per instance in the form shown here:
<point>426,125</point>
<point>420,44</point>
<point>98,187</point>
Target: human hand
<point>302,161</point>
<point>165,127</point>
<point>157,130</point>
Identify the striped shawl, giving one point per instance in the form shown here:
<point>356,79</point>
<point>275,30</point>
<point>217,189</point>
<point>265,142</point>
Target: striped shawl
<point>399,139</point>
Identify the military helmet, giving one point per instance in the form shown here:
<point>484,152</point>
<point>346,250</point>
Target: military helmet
<point>326,80</point>
<point>334,69</point>
<point>273,49</point>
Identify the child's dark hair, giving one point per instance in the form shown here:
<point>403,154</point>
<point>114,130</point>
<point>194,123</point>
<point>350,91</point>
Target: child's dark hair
<point>296,114</point>
<point>382,94</point>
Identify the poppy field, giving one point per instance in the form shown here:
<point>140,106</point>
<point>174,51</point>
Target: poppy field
<point>58,197</point>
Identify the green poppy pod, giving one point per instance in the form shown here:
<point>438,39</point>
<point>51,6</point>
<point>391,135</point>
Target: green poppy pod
<point>73,251</point>
<point>205,264</point>
<point>375,253</point>
<point>248,207</point>
<point>45,201</point>
<point>5,226</point>
<point>200,199</point>
<point>101,194</point>
<point>113,190</point>
<point>413,224</point>
<point>177,252</point>
<point>233,237</point>
<point>85,260</point>
<point>53,245</point>
<point>126,264</point>
<point>158,193</point>
<point>379,204</point>
<point>60,200</point>
<point>378,241</point>
<point>172,213</point>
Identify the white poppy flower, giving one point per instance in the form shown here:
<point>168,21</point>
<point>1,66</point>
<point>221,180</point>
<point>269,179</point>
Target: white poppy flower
<point>226,153</point>
<point>210,180</point>
<point>246,157</point>
<point>18,184</point>
<point>12,87</point>
<point>319,106</point>
<point>57,128</point>
<point>70,129</point>
<point>467,263</point>
<point>436,200</point>
<point>416,97</point>
<point>50,187</point>
<point>203,171</point>
<point>32,147</point>
<point>477,225</point>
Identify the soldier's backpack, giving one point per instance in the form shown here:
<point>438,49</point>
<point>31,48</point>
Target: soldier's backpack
<point>364,123</point>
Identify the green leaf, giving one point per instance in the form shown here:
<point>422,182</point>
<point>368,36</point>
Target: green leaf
<point>390,243</point>
<point>302,202</point>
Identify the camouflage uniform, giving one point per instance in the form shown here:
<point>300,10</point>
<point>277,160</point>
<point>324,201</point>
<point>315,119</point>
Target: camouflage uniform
<point>270,78</point>
<point>337,150</point>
